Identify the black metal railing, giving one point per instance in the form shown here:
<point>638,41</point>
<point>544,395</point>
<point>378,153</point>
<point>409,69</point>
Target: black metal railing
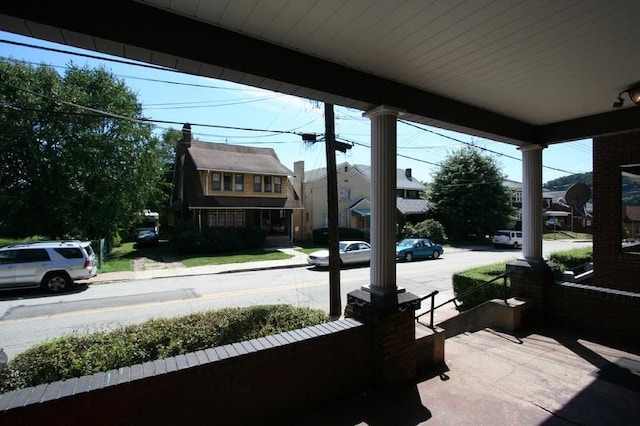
<point>454,300</point>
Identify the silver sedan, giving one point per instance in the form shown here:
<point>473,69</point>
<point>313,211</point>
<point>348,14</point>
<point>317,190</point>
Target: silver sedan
<point>350,252</point>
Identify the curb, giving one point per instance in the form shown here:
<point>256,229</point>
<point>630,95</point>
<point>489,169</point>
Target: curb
<point>105,280</point>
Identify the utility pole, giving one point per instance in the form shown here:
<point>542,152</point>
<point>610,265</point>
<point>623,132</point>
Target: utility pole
<point>335,304</point>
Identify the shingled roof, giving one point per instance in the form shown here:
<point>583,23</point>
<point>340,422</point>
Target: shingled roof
<point>237,159</point>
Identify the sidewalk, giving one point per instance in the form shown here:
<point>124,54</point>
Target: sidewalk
<point>165,270</point>
<point>297,259</point>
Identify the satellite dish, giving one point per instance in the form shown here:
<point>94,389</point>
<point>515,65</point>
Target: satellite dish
<point>577,196</point>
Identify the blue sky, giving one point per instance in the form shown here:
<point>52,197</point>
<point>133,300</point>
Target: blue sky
<point>242,115</point>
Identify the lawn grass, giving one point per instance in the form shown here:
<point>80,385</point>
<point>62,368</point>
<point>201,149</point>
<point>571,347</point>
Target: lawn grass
<point>122,257</point>
<point>566,235</point>
<point>219,259</point>
<point>306,249</point>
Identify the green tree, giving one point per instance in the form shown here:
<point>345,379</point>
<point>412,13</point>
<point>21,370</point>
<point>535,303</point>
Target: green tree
<point>468,195</point>
<point>429,228</point>
<point>167,143</point>
<point>76,158</point>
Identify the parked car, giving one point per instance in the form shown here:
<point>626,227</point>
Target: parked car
<point>50,265</point>
<point>508,238</point>
<point>350,252</point>
<point>147,238</point>
<point>417,248</point>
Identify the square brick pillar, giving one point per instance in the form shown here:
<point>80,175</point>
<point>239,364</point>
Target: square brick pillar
<point>530,281</point>
<point>394,334</point>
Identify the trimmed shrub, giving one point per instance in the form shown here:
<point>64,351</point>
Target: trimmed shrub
<point>188,239</point>
<point>78,355</point>
<point>570,259</point>
<point>254,237</point>
<point>473,278</point>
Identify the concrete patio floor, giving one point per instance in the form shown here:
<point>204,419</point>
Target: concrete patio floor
<point>543,376</point>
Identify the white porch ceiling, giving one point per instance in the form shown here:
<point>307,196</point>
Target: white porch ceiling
<point>516,71</point>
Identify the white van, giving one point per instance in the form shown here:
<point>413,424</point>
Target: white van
<point>508,238</point>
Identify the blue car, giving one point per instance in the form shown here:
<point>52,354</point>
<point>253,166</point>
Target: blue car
<point>417,248</point>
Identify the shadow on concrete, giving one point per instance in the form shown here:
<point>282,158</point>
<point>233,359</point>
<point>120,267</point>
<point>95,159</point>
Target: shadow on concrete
<point>396,406</point>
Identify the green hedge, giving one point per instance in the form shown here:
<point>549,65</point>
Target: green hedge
<point>472,278</point>
<point>78,355</point>
<point>189,239</point>
<point>570,259</point>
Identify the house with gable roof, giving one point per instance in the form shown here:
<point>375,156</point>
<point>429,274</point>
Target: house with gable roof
<point>354,197</point>
<point>229,186</point>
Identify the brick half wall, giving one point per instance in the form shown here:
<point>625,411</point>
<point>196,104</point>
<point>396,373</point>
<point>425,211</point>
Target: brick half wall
<point>253,382</point>
<point>608,313</point>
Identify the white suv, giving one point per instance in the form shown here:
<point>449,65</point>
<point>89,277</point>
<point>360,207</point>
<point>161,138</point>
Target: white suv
<point>509,238</point>
<point>51,265</point>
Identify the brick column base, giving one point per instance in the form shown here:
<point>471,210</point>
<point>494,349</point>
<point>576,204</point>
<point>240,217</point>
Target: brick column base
<point>530,281</point>
<point>394,339</point>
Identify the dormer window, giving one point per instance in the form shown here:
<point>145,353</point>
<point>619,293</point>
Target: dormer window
<point>216,182</point>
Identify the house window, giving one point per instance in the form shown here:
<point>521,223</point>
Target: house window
<point>400,193</point>
<point>225,218</point>
<point>325,220</point>
<point>277,184</point>
<point>239,182</point>
<point>345,193</point>
<point>215,182</point>
<point>516,197</point>
<point>227,182</point>
<point>267,184</point>
<point>257,183</point>
<point>413,194</point>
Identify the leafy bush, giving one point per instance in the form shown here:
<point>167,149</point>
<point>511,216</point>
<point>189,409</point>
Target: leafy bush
<point>472,278</point>
<point>186,239</point>
<point>77,355</point>
<point>570,259</point>
<point>189,239</point>
<point>430,228</point>
<point>254,237</point>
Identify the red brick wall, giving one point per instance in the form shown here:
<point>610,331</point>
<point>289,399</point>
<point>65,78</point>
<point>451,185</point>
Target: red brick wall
<point>611,314</point>
<point>253,382</point>
<point>612,268</point>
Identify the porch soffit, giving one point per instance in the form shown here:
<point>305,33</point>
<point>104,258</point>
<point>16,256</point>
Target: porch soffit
<point>516,72</point>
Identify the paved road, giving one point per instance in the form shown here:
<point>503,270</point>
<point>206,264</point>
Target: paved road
<point>27,318</point>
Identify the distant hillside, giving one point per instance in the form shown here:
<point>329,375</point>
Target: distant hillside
<point>563,183</point>
<point>630,189</point>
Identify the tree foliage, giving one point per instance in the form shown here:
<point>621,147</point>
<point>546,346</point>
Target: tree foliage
<point>563,183</point>
<point>468,195</point>
<point>75,159</point>
<point>429,228</point>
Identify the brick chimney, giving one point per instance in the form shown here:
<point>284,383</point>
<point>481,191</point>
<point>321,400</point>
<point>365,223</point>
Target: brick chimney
<point>407,173</point>
<point>186,135</point>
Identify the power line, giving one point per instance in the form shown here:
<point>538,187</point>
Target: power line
<point>408,123</point>
<point>86,55</point>
<point>98,112</point>
<point>139,64</point>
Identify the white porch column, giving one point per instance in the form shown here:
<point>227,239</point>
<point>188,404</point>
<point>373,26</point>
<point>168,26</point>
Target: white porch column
<point>383,199</point>
<point>532,201</point>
